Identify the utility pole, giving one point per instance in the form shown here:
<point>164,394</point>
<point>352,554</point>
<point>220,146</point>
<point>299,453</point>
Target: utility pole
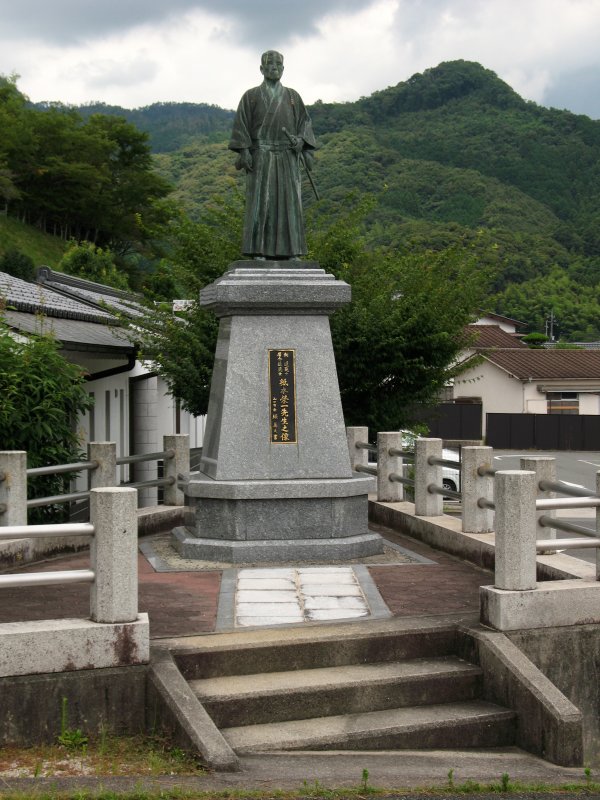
<point>550,322</point>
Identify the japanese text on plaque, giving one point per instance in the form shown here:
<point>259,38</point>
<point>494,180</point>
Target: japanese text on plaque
<point>282,381</point>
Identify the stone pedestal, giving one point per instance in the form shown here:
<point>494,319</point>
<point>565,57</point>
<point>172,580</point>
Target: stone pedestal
<point>275,481</point>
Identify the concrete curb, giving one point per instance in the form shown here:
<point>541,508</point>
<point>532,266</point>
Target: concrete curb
<point>184,714</point>
<point>444,533</point>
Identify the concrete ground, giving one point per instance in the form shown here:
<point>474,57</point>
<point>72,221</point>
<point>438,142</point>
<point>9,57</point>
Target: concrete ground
<point>185,602</point>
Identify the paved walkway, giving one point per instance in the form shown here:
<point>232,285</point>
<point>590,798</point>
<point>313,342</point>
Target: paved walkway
<point>185,601</point>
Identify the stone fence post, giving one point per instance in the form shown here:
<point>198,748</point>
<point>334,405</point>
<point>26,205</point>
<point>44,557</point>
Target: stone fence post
<point>598,528</point>
<point>105,474</point>
<point>357,455</point>
<point>13,487</point>
<point>179,464</point>
<point>515,496</point>
<point>473,486</point>
<point>389,491</point>
<point>545,470</point>
<point>426,503</point>
<point>113,554</point>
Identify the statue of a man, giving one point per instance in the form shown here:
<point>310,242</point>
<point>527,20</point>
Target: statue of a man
<point>272,133</point>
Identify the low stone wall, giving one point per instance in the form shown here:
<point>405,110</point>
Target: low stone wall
<point>95,699</point>
<point>444,533</point>
<point>570,658</point>
<point>149,698</point>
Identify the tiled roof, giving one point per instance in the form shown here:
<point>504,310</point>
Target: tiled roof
<point>33,299</point>
<point>517,323</point>
<point>96,294</point>
<point>493,336</point>
<point>72,333</point>
<point>547,364</point>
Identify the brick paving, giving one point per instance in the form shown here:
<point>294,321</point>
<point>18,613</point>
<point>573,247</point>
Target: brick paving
<point>179,604</point>
<point>185,602</point>
<point>448,586</point>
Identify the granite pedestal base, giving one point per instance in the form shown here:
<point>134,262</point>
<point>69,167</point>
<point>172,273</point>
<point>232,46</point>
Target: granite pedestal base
<point>277,520</point>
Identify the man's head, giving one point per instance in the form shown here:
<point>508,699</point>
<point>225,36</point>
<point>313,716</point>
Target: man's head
<point>271,65</point>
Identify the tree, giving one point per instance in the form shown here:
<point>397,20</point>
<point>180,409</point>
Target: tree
<point>18,264</point>
<point>85,260</point>
<point>42,396</point>
<point>398,339</point>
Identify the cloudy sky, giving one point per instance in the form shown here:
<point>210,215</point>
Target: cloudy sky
<point>136,52</point>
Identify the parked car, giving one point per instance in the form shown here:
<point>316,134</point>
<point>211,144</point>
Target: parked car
<point>450,475</point>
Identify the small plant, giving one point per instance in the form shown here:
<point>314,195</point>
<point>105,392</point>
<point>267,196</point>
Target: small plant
<point>505,782</point>
<point>365,780</point>
<point>588,775</point>
<point>72,739</point>
<point>451,778</point>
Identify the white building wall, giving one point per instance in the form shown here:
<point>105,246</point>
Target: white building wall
<point>499,392</point>
<point>534,402</point>
<point>589,403</point>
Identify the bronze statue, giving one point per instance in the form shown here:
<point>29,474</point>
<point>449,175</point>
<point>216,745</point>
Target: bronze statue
<point>272,135</point>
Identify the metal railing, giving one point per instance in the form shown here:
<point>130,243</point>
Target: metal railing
<point>479,501</point>
<point>113,531</point>
<point>101,466</point>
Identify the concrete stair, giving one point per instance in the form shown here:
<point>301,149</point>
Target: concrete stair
<point>345,687</point>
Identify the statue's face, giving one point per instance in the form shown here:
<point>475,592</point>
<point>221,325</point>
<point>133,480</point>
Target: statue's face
<point>272,68</point>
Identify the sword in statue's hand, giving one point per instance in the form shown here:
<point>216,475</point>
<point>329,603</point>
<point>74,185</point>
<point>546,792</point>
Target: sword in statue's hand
<point>294,141</point>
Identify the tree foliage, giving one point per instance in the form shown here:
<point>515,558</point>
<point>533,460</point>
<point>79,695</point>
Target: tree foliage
<point>85,179</point>
<point>85,260</point>
<point>42,396</point>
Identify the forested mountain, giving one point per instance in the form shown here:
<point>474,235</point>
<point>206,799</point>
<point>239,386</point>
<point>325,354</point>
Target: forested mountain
<point>453,155</point>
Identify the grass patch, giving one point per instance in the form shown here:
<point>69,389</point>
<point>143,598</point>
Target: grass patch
<point>42,248</point>
<point>106,755</point>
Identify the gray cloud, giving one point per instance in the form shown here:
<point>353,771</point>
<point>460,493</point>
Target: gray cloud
<point>576,90</point>
<point>72,21</point>
<point>111,73</point>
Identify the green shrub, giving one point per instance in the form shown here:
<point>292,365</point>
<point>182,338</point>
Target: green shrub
<point>42,395</point>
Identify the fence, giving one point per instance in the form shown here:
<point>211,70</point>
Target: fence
<point>543,431</point>
<point>53,646</point>
<point>101,465</point>
<point>518,505</point>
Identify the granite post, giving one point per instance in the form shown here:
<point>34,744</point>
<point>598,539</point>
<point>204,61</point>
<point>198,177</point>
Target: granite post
<point>515,496</point>
<point>389,491</point>
<point>113,555</point>
<point>428,504</point>
<point>474,485</point>
<point>105,454</point>
<point>545,470</point>
<point>359,456</point>
<point>179,464</point>
<point>275,480</point>
<point>13,487</point>
<point>598,528</point>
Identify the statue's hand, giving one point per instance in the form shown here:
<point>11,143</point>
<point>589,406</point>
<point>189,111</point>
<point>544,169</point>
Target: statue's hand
<point>244,160</point>
<point>309,160</point>
<point>297,144</point>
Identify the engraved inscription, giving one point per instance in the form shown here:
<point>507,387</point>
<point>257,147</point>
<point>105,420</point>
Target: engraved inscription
<point>282,383</point>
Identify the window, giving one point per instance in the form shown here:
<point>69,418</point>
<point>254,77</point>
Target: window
<point>562,402</point>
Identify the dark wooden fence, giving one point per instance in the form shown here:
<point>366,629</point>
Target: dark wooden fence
<point>453,420</point>
<point>543,431</point>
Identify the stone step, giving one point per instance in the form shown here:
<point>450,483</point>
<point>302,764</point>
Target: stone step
<point>253,652</point>
<point>448,726</point>
<point>301,694</point>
